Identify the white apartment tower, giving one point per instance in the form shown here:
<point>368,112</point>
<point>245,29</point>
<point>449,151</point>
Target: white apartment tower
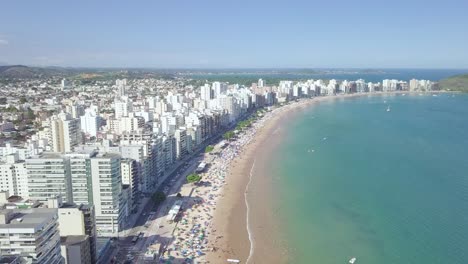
<point>261,83</point>
<point>107,194</point>
<point>121,87</point>
<point>65,133</point>
<point>180,136</point>
<point>206,92</point>
<point>48,176</point>
<point>218,89</point>
<point>90,123</point>
<point>13,178</point>
<point>122,106</point>
<point>31,234</point>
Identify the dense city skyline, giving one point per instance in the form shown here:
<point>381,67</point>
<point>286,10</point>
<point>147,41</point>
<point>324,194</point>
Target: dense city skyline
<point>213,34</point>
<point>117,154</point>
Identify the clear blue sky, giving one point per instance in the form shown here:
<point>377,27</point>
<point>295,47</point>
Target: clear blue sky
<point>203,33</point>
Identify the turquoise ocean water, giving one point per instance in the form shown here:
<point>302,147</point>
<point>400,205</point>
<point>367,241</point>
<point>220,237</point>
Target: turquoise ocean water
<point>385,187</point>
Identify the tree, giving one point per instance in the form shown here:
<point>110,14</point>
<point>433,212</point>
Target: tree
<point>159,197</point>
<point>179,195</point>
<point>209,148</point>
<point>228,135</point>
<point>23,100</point>
<point>192,178</point>
<point>30,114</point>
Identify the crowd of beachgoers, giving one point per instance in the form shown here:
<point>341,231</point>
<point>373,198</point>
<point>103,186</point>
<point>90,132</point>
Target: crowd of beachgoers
<point>195,224</point>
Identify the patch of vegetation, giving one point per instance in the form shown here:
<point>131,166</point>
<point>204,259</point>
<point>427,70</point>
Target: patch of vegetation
<point>209,148</point>
<point>455,83</point>
<point>192,178</point>
<point>229,135</point>
<point>158,197</point>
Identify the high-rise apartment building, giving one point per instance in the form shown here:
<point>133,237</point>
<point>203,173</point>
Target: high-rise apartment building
<point>82,178</point>
<point>122,106</point>
<point>13,176</point>
<point>65,133</point>
<point>206,92</point>
<point>31,234</point>
<point>107,194</point>
<point>90,123</point>
<point>49,176</point>
<point>261,83</point>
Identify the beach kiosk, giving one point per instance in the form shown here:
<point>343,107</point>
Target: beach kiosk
<point>175,209</point>
<point>201,167</point>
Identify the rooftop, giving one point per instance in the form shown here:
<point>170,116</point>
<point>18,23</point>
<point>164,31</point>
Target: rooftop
<point>9,259</point>
<point>48,155</point>
<point>25,218</point>
<point>72,240</point>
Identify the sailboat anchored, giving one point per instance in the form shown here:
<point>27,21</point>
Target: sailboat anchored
<point>388,108</point>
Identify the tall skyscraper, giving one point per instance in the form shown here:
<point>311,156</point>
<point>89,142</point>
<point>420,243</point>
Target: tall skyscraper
<point>180,136</point>
<point>107,194</point>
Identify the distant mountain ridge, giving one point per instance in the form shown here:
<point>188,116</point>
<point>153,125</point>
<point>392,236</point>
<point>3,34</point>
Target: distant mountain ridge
<point>455,83</point>
<point>27,72</point>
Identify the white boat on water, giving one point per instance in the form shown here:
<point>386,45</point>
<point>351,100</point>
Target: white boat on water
<point>352,260</point>
<point>388,109</point>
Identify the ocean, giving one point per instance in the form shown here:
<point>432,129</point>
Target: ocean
<point>355,180</point>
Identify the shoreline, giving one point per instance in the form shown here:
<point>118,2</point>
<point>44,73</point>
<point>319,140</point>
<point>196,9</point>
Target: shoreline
<point>239,236</point>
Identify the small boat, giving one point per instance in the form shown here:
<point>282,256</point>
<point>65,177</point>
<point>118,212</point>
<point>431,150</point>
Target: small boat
<point>352,260</point>
<point>388,109</point>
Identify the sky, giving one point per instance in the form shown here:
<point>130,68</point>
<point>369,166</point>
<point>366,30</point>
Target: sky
<point>235,34</point>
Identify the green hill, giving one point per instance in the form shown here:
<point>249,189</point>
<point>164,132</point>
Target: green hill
<point>26,72</point>
<point>455,83</point>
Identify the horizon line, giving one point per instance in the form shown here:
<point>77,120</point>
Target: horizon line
<point>231,68</point>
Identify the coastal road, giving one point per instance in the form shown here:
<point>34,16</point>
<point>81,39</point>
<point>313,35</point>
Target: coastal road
<point>173,181</point>
<point>160,230</point>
